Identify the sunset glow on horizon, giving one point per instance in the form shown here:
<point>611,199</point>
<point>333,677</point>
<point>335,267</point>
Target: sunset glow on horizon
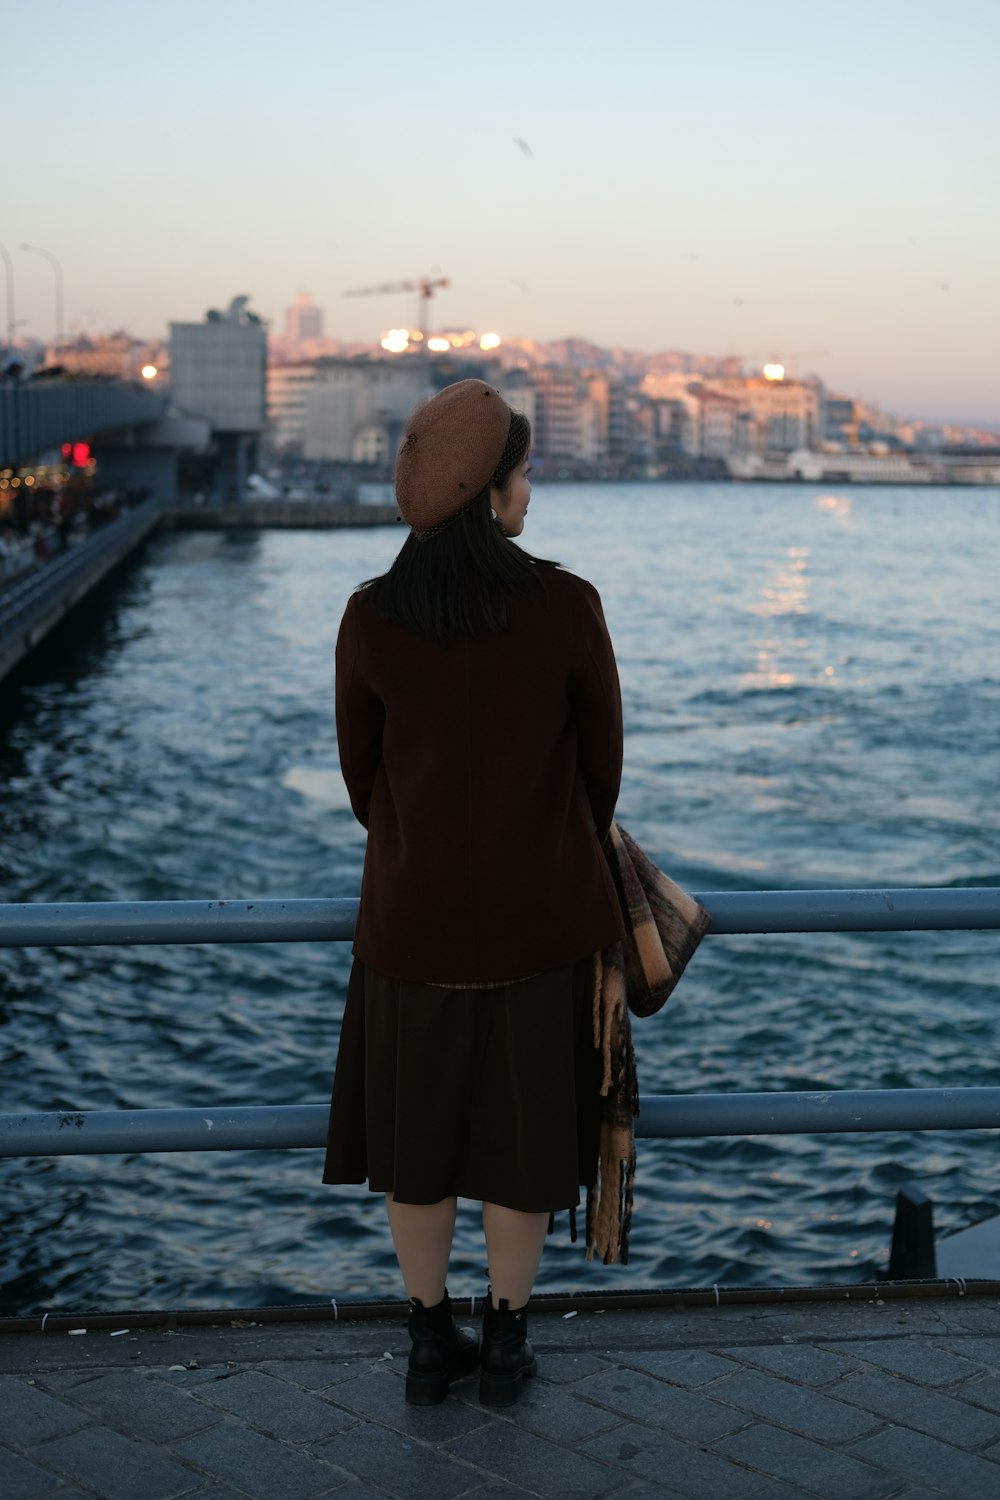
<point>617,178</point>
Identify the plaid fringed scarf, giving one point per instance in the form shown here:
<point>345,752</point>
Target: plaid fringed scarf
<point>663,926</point>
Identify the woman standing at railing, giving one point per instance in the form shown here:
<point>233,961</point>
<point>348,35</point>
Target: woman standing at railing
<point>479,725</point>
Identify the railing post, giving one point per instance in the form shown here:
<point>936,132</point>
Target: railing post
<point>913,1256</point>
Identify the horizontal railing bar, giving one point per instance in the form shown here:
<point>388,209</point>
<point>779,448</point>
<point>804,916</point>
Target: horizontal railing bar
<point>294,1126</point>
<point>86,923</point>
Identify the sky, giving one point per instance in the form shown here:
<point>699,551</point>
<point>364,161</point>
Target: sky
<point>814,182</point>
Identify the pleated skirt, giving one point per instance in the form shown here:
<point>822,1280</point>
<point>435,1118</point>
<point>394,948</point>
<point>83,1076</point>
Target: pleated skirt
<point>490,1094</point>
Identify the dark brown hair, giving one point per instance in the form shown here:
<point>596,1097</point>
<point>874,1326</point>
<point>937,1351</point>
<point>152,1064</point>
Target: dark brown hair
<point>458,578</point>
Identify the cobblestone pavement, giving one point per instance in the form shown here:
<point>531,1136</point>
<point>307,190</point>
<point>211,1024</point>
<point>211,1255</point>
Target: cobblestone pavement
<point>845,1401</point>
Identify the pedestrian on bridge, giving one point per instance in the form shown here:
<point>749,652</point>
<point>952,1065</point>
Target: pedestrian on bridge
<point>480,735</point>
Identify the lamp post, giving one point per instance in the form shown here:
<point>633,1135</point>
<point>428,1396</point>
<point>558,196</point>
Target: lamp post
<point>57,268</point>
<point>9,268</point>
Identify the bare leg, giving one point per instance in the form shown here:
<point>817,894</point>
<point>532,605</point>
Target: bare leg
<point>422,1235</point>
<point>514,1244</point>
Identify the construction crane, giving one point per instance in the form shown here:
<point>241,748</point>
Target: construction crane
<point>426,286</point>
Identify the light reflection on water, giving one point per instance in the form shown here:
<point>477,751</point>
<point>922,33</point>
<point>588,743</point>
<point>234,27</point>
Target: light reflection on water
<point>811,698</point>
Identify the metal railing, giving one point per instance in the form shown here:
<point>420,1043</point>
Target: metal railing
<point>283,1127</point>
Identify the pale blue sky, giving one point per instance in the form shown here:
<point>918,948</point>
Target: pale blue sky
<point>717,177</point>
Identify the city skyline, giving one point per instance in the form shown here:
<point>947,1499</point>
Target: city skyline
<point>725,182</point>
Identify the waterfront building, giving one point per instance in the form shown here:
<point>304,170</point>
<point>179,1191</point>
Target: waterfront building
<point>355,409</point>
<point>218,370</point>
<point>557,394</point>
<point>303,320</point>
<point>673,395</point>
<point>622,416</point>
<point>520,395</point>
<point>287,392</point>
<point>593,421</point>
<point>785,413</point>
<point>676,427</point>
<point>719,424</point>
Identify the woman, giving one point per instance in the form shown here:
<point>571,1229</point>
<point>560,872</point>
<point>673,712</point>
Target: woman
<point>479,725</point>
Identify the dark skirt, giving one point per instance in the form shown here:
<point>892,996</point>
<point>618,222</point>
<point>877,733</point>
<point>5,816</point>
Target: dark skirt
<point>489,1094</point>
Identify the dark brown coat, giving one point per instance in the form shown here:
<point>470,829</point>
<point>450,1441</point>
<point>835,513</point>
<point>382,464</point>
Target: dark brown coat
<point>486,773</point>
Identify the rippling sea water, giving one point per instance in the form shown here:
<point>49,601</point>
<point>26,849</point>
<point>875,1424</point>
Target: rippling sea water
<point>811,682</point>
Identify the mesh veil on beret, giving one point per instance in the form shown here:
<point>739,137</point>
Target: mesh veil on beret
<point>450,451</point>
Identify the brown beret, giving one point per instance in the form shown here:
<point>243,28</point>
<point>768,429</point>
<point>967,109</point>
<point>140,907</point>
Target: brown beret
<point>450,450</point>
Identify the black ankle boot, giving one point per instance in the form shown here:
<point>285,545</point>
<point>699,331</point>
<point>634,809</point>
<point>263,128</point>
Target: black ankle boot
<point>441,1352</point>
<point>507,1357</point>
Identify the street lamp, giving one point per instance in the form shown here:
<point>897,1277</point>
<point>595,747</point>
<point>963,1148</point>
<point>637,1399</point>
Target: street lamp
<point>57,268</point>
<point>9,267</point>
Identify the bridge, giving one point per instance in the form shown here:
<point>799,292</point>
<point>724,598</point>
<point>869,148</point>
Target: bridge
<point>41,415</point>
<point>137,440</point>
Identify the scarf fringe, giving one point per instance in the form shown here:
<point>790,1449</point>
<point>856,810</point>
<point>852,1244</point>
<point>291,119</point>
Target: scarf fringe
<point>663,928</point>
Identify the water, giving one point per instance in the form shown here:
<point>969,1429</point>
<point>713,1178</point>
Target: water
<point>811,688</point>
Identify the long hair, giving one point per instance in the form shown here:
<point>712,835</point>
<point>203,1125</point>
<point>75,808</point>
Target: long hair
<point>460,579</point>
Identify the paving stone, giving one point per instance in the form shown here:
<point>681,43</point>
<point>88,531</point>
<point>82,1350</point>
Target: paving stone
<point>954,1421</point>
<point>929,1461</point>
<point>400,1465</point>
<point>275,1406</point>
<point>21,1479</point>
<point>687,1367</point>
<point>564,1369</point>
<point>802,1362</point>
<point>799,1461</point>
<point>64,1494</point>
<point>185,1380</point>
<point>917,1359</point>
<point>635,1394</point>
<point>139,1472</point>
<point>223,1492</point>
<point>794,1406</point>
<point>262,1467</point>
<point>912,1495</point>
<point>644,1490</point>
<point>692,1472</point>
<point>142,1405</point>
<point>785,1492</point>
<point>495,1489</point>
<point>311,1374</point>
<point>31,1415</point>
<point>982,1392</point>
<point>984,1351</point>
<point>557,1415</point>
<point>540,1467</point>
<point>356,1489</point>
<point>380,1397</point>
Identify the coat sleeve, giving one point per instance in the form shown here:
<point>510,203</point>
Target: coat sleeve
<point>597,706</point>
<point>360,717</point>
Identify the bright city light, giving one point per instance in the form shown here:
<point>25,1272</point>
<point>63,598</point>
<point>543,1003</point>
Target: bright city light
<point>439,345</point>
<point>397,340</point>
<point>490,341</point>
<point>149,372</point>
<point>774,372</point>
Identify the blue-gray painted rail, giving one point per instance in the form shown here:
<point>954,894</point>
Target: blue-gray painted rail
<point>303,1126</point>
<point>286,1127</point>
<point>87,923</point>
